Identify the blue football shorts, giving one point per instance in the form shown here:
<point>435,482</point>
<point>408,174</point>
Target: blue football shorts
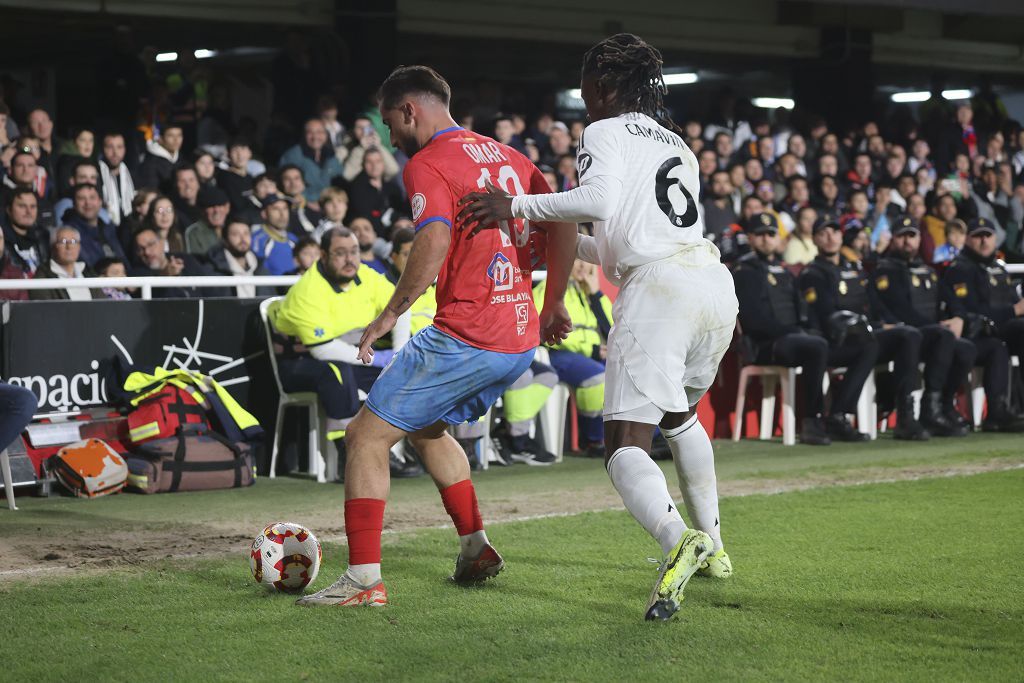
<point>436,377</point>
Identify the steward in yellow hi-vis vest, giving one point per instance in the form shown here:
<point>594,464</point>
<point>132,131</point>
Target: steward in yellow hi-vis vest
<point>320,322</point>
<point>579,360</point>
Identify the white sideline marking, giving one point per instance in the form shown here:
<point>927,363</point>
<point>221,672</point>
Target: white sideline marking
<point>795,487</point>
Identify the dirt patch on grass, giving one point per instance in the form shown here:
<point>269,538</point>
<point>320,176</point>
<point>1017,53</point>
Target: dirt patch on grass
<point>105,550</point>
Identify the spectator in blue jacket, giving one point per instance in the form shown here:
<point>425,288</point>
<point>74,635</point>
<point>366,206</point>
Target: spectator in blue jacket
<point>271,240</point>
<point>316,158</point>
<point>99,238</point>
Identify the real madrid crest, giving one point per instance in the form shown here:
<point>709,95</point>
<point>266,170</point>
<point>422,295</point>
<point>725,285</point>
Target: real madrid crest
<point>843,288</point>
<point>992,280</point>
<point>771,280</point>
<point>915,280</point>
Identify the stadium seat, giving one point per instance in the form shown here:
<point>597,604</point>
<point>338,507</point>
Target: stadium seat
<point>554,413</point>
<point>770,375</point>
<point>323,456</point>
<point>5,467</point>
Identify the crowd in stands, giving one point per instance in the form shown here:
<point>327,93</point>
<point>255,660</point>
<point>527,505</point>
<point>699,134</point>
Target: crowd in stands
<point>148,202</point>
<point>163,209</point>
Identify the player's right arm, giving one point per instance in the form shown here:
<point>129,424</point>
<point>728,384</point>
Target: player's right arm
<point>599,165</point>
<point>433,217</point>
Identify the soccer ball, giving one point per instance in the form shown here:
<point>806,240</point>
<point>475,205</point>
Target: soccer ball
<point>285,557</point>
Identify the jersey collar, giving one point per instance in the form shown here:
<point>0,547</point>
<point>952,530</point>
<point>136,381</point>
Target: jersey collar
<point>446,130</point>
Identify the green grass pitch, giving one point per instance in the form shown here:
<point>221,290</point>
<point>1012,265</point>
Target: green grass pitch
<point>912,580</point>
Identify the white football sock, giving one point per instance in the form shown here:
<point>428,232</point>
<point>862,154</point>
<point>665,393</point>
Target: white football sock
<point>364,574</point>
<point>472,544</point>
<point>695,464</point>
<point>644,491</point>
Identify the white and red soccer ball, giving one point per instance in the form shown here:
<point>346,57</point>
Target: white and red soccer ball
<point>285,557</point>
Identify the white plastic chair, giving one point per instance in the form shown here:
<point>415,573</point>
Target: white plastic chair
<point>867,411</point>
<point>771,376</point>
<point>976,391</point>
<point>5,467</point>
<point>554,413</point>
<point>323,457</point>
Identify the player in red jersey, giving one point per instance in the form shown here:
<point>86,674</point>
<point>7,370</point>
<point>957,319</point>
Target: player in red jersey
<point>483,337</point>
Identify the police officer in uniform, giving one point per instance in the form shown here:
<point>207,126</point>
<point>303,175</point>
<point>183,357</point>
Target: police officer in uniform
<point>977,286</point>
<point>773,320</point>
<point>834,288</point>
<point>908,291</point>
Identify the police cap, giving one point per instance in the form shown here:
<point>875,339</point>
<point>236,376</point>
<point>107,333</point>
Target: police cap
<point>763,223</point>
<point>904,225</point>
<point>980,226</point>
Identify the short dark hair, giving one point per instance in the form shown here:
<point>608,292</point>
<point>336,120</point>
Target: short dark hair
<point>414,79</point>
<point>85,186</point>
<point>305,241</point>
<point>84,162</point>
<point>239,141</point>
<point>105,263</point>
<point>288,167</point>
<point>18,192</point>
<point>750,197</point>
<point>329,235</point>
<point>145,227</point>
<point>22,153</point>
<point>802,210</point>
<point>794,178</point>
<point>400,237</point>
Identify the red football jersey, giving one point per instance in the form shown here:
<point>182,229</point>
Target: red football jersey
<point>484,289</point>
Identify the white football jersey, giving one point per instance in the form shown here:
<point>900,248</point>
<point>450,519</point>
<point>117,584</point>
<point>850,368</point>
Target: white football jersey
<point>657,213</point>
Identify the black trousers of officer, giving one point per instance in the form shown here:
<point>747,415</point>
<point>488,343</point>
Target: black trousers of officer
<point>994,357</point>
<point>1012,332</point>
<point>815,356</point>
<point>337,384</point>
<point>947,360</point>
<point>900,345</point>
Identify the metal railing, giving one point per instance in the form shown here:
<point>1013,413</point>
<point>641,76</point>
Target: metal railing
<point>148,283</point>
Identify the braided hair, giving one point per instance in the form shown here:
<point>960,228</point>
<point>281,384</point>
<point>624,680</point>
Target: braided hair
<point>631,68</point>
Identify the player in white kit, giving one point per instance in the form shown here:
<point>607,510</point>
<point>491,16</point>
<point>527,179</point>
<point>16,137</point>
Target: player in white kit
<point>676,309</point>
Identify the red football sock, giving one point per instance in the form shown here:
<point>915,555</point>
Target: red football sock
<point>460,503</point>
<point>364,519</point>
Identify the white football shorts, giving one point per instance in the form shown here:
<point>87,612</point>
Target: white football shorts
<point>673,321</point>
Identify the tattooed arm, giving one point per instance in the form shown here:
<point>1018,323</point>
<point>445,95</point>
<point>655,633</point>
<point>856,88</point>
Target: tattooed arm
<point>428,252</point>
